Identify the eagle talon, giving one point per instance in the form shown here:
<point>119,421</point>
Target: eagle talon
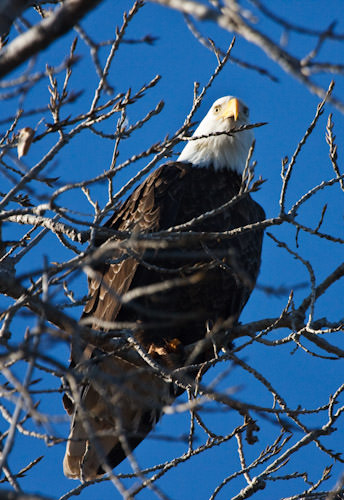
<point>174,345</point>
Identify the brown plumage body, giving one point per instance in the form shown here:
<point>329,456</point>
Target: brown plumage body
<point>225,269</point>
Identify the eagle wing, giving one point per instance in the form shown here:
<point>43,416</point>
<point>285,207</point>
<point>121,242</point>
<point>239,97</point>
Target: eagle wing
<point>141,213</point>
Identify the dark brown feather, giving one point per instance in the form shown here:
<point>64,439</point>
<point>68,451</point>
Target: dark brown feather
<point>223,273</point>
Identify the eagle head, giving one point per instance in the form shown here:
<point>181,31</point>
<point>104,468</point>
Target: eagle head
<point>221,151</point>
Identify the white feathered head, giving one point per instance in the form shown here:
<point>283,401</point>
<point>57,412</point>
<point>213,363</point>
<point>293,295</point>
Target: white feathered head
<point>221,151</point>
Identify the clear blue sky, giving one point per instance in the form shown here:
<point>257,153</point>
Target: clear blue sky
<point>288,108</point>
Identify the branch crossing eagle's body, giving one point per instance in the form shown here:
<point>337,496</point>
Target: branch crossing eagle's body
<point>184,287</point>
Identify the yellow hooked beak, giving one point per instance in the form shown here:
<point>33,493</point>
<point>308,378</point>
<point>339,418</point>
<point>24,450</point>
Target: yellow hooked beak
<point>231,109</point>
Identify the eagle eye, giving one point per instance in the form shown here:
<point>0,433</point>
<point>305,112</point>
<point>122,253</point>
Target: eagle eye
<point>217,109</point>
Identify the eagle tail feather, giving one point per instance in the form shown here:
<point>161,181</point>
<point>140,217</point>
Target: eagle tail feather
<point>88,459</point>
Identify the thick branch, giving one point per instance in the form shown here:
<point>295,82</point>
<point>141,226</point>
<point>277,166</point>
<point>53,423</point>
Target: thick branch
<point>43,34</point>
<point>11,495</point>
<point>230,20</point>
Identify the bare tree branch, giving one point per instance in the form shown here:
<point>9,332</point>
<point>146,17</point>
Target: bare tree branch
<point>47,31</point>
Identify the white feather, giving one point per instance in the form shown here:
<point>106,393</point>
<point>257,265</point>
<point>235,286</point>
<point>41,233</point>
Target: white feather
<point>221,151</point>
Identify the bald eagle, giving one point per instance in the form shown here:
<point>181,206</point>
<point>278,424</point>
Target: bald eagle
<point>180,289</point>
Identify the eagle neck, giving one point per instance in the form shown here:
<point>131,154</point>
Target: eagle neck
<point>227,153</point>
